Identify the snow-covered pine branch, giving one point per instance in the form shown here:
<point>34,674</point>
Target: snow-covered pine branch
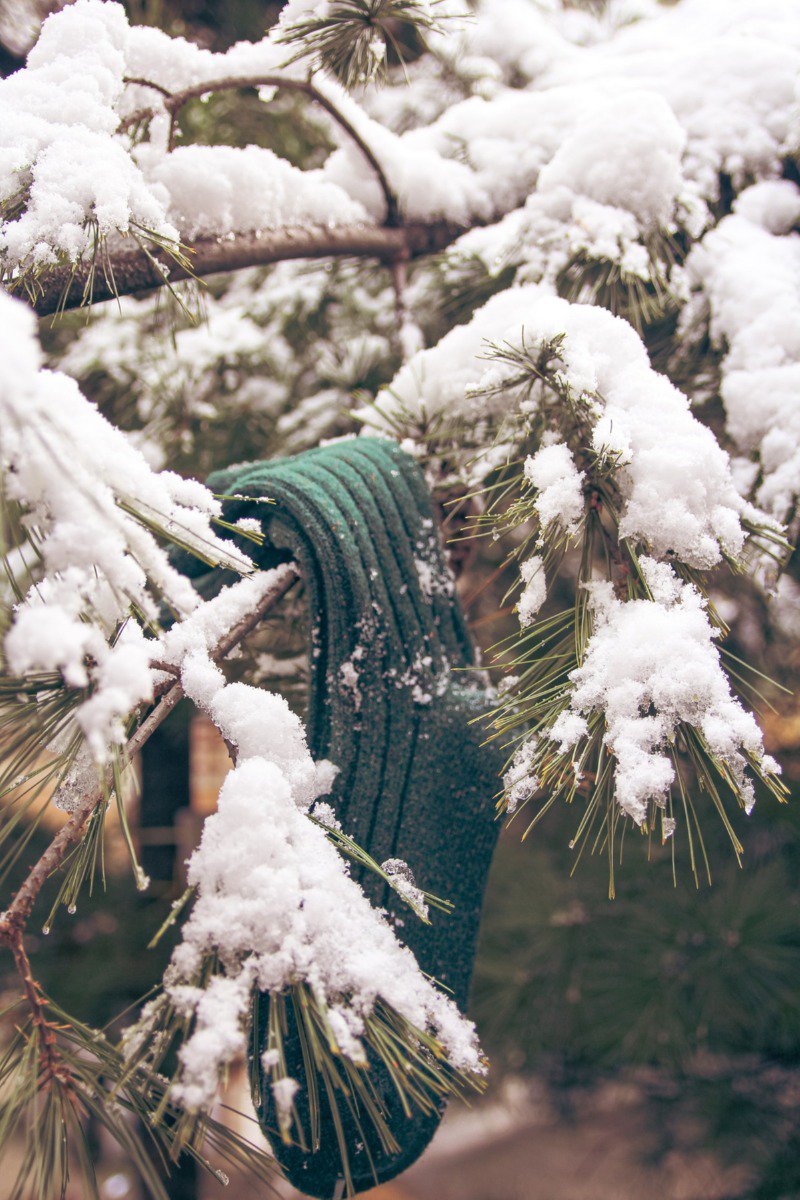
<point>616,193</point>
<point>616,464</point>
<point>275,905</point>
<point>275,902</point>
<point>88,565</point>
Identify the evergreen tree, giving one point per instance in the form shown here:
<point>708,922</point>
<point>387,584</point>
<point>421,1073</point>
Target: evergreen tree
<point>551,250</point>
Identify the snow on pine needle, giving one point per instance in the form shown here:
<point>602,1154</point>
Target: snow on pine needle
<point>651,667</point>
<point>746,279</point>
<point>601,470</point>
<point>89,576</point>
<point>275,908</point>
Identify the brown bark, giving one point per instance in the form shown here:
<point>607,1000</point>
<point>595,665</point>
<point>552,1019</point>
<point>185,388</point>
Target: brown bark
<point>130,270</point>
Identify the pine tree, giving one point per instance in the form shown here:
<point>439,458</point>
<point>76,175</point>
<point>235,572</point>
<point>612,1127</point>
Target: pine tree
<point>551,250</point>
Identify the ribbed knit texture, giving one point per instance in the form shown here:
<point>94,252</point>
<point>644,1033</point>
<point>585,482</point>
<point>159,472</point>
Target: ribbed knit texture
<point>393,704</point>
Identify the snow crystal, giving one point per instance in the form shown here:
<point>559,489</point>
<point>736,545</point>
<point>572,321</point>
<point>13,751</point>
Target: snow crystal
<point>520,783</point>
<point>567,730</point>
<point>284,1091</point>
<point>81,781</point>
<point>401,878</point>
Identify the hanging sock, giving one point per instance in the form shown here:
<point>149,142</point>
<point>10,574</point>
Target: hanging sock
<point>393,703</point>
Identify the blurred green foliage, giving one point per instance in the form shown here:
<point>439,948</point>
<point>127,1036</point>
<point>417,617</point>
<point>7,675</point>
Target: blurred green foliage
<point>694,993</point>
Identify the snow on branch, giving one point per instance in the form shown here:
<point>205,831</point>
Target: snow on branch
<point>615,464</point>
<point>71,179</point>
<point>746,275</point>
<point>275,903</point>
<point>90,570</point>
<point>79,171</point>
<point>651,666</point>
<point>676,490</point>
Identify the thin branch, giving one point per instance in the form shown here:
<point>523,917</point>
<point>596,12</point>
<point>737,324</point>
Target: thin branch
<point>175,101</point>
<point>134,270</point>
<point>148,83</point>
<point>53,1067</point>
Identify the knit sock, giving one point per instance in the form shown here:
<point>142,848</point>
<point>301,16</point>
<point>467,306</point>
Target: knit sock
<point>392,704</point>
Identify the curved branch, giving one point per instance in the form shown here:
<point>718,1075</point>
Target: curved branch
<point>126,271</point>
<point>174,102</point>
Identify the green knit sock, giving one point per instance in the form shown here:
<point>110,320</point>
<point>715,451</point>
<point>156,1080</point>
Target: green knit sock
<point>392,704</point>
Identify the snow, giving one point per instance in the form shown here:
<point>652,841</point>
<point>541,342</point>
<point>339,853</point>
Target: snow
<point>639,169</point>
<point>520,783</point>
<point>621,129</point>
<point>57,119</point>
<point>204,628</point>
<point>401,878</point>
<point>746,273</point>
<point>276,903</point>
<point>534,592</point>
<point>66,163</point>
<point>701,88</point>
<point>678,495</point>
<point>558,483</point>
<point>597,143</point>
<point>81,484</point>
<point>650,666</point>
<point>218,190</point>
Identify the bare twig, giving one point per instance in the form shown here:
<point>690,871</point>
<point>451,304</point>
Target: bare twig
<point>148,83</point>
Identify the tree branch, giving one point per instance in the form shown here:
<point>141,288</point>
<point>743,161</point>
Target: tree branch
<point>174,102</point>
<point>131,266</point>
<point>127,271</point>
<point>51,1065</point>
<point>13,920</point>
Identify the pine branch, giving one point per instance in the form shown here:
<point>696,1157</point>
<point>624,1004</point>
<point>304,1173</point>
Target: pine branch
<point>175,101</point>
<point>13,920</point>
<point>125,271</point>
<point>52,1071</point>
<point>134,270</point>
<point>51,1064</point>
